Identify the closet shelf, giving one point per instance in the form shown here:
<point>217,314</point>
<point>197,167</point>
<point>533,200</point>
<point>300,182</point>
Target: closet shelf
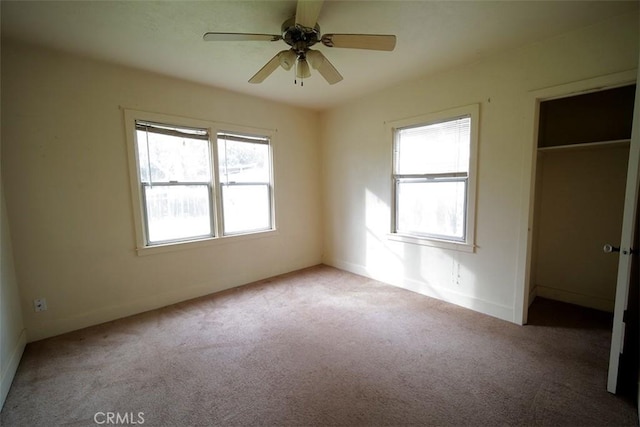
<point>587,145</point>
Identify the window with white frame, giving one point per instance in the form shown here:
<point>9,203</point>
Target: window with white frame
<point>195,182</point>
<point>434,177</point>
<point>245,182</point>
<point>174,167</point>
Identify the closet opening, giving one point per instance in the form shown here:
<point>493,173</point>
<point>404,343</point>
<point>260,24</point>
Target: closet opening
<point>581,170</point>
<point>580,181</point>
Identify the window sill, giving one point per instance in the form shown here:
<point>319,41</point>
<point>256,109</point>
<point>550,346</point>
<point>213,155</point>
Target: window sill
<point>443,244</point>
<point>213,241</point>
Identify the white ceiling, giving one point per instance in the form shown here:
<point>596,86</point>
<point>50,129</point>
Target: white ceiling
<point>166,37</point>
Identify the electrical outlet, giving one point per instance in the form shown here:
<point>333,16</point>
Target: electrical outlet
<point>39,304</point>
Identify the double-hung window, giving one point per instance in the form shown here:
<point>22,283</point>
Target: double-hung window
<point>245,182</point>
<point>174,166</point>
<point>434,178</point>
<point>193,181</point>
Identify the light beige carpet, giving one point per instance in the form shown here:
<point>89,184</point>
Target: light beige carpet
<point>323,347</point>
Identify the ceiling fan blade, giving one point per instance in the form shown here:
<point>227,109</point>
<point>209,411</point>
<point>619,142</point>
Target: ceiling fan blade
<point>307,12</point>
<point>329,72</point>
<point>360,41</point>
<point>326,69</point>
<point>266,71</point>
<point>240,37</point>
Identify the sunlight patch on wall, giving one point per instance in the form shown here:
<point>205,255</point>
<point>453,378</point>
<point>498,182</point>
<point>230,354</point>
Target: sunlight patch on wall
<point>384,259</point>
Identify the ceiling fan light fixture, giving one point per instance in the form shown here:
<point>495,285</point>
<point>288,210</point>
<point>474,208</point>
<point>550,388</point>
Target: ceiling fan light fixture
<point>287,59</point>
<point>302,68</point>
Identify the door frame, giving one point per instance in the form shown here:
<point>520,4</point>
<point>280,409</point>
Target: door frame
<point>523,296</point>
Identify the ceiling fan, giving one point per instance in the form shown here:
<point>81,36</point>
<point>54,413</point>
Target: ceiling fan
<point>301,32</point>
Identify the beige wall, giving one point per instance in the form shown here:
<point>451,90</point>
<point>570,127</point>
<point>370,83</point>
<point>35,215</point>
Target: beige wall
<point>581,198</point>
<point>357,167</point>
<point>65,170</point>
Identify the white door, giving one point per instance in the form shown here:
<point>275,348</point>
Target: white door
<point>626,244</point>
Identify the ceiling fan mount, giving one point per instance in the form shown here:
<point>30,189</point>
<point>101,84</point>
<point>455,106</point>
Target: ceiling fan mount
<point>298,37</point>
<point>301,32</point>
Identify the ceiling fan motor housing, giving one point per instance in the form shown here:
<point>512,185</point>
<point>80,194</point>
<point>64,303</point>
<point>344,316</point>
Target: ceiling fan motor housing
<point>298,37</point>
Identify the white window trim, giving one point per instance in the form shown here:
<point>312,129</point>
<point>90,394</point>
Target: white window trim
<point>472,111</point>
<point>130,117</point>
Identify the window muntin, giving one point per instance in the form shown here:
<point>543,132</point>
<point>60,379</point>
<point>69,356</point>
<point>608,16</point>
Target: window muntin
<point>193,183</point>
<point>431,175</point>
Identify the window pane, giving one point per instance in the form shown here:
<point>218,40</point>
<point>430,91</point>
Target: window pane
<point>172,158</point>
<point>436,148</point>
<point>177,212</point>
<point>243,161</point>
<point>246,208</point>
<point>435,208</point>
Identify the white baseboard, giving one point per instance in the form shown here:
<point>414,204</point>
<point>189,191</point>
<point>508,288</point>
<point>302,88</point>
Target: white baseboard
<point>10,371</point>
<point>575,298</point>
<point>423,288</point>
